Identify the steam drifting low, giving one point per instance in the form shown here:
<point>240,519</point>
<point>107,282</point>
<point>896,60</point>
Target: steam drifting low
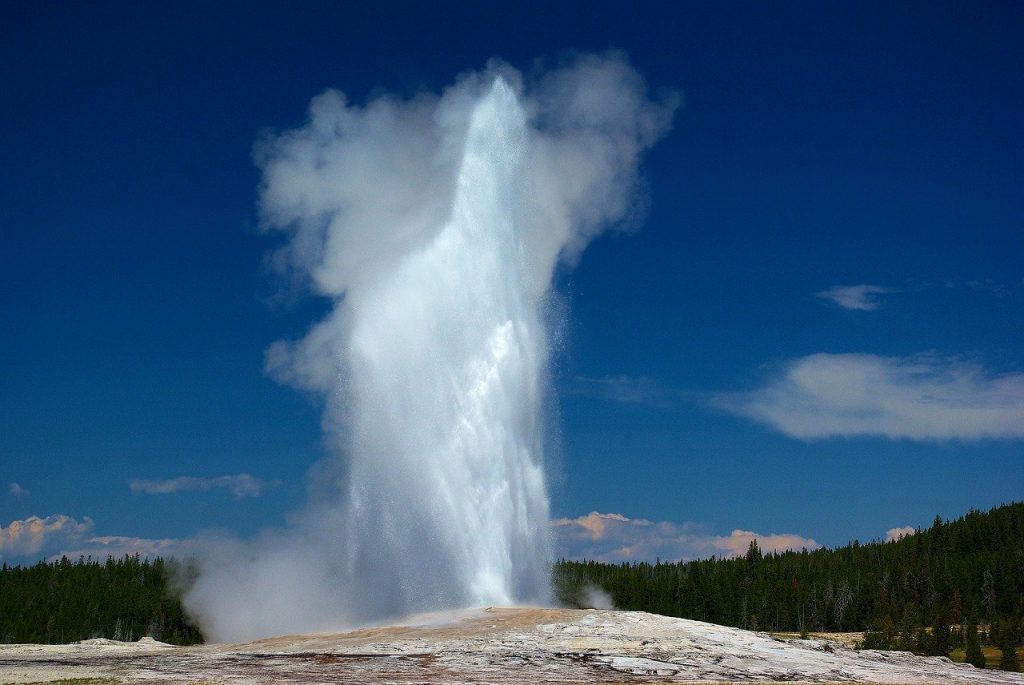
<point>434,225</point>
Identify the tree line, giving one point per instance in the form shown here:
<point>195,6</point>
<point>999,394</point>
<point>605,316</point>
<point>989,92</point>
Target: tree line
<point>121,599</point>
<point>956,585</point>
<point>924,592</point>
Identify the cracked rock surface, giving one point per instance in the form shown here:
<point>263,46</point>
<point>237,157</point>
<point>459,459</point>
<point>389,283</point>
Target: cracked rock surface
<point>508,645</point>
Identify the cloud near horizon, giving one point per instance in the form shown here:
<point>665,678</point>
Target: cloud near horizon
<point>614,538</point>
<point>919,397</point>
<point>861,297</point>
<point>52,537</point>
<point>607,537</point>
<point>894,534</point>
<point>117,546</point>
<point>240,485</point>
<point>30,536</point>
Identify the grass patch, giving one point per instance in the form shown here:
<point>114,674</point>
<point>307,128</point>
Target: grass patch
<point>992,656</point>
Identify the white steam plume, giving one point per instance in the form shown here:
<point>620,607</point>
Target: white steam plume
<point>434,225</point>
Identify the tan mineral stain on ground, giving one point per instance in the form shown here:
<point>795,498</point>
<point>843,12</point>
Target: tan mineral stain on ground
<point>850,640</point>
<point>515,645</point>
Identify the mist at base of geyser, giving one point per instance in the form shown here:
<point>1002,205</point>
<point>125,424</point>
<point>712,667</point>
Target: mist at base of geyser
<point>434,225</point>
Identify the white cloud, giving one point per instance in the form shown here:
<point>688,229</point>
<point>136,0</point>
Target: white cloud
<point>18,491</point>
<point>118,546</point>
<point>738,542</point>
<point>240,485</point>
<point>59,535</point>
<point>860,297</point>
<point>919,398</point>
<point>615,538</point>
<point>27,537</point>
<point>592,525</point>
<point>897,533</point>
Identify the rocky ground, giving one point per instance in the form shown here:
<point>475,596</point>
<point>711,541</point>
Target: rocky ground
<point>495,646</point>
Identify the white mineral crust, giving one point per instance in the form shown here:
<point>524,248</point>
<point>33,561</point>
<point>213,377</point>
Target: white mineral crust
<point>517,645</point>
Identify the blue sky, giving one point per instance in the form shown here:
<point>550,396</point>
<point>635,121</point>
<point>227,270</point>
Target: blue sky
<point>815,334</point>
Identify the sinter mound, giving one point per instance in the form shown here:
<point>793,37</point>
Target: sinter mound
<point>512,645</point>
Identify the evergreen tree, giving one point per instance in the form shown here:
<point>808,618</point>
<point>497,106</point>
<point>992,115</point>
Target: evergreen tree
<point>975,563</point>
<point>1006,640</point>
<point>922,642</point>
<point>907,641</point>
<point>65,602</point>
<point>940,636</point>
<point>972,645</point>
<point>883,638</point>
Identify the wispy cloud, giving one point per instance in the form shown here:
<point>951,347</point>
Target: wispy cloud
<point>986,285</point>
<point>240,485</point>
<point>868,297</point>
<point>30,536</point>
<point>618,388</point>
<point>118,546</point>
<point>614,538</point>
<point>862,297</point>
<point>897,533</point>
<point>920,397</point>
<point>18,491</point>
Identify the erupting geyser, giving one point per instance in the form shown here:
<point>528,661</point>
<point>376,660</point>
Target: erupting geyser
<point>444,359</point>
<point>435,226</point>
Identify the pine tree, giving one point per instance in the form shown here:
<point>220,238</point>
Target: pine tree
<point>974,655</point>
<point>907,640</point>
<point>940,636</point>
<point>1006,640</point>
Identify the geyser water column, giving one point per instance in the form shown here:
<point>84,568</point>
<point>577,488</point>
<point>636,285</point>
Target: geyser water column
<point>434,225</point>
<point>446,355</point>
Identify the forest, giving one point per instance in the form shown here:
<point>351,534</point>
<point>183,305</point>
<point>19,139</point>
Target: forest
<point>958,585</point>
<point>120,599</point>
<point>928,592</point>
